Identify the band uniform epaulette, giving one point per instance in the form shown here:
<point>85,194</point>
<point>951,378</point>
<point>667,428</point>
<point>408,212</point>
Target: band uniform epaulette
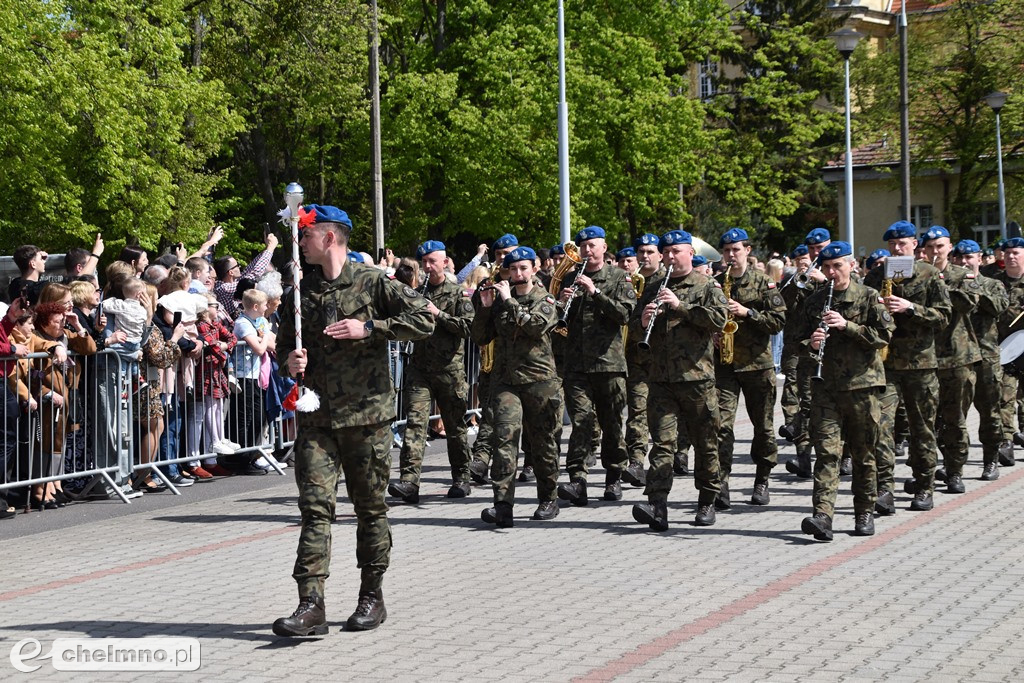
<point>717,283</point>
<point>771,285</point>
<point>549,299</point>
<point>969,276</point>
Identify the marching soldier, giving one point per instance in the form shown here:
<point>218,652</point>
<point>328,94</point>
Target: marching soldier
<point>958,352</point>
<point>518,316</point>
<point>921,308</point>
<point>992,301</point>
<point>792,296</point>
<point>1011,276</point>
<point>757,307</point>
<point>436,369</point>
<point>852,329</point>
<point>687,309</point>
<point>625,259</point>
<point>600,303</point>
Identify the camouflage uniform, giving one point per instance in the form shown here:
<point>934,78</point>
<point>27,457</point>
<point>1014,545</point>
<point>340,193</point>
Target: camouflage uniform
<point>525,391</point>
<point>437,369</point>
<point>910,373</point>
<point>637,433</point>
<point>595,371</point>
<point>793,297</point>
<point>847,401</point>
<point>752,372</point>
<point>992,302</point>
<point>956,348</point>
<point>1015,293</point>
<point>682,383</point>
<point>351,429</point>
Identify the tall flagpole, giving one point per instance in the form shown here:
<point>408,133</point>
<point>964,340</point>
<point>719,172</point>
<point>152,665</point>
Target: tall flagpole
<point>378,180</point>
<point>904,115</point>
<point>563,134</point>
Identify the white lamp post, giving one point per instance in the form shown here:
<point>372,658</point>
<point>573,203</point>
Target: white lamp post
<point>846,40</point>
<point>996,100</point>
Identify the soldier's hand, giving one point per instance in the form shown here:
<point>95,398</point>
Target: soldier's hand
<point>817,337</point>
<point>738,309</point>
<point>649,310</point>
<point>296,362</point>
<point>586,283</point>
<point>503,290</point>
<point>349,328</point>
<point>834,321</point>
<point>896,304</point>
<point>487,297</point>
<point>668,298</point>
<point>816,275</point>
<point>434,310</point>
<point>564,295</point>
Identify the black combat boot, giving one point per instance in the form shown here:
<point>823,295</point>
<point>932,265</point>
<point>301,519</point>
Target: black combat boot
<point>990,472</point>
<point>801,464</point>
<point>705,514</point>
<point>548,509</point>
<point>722,501</point>
<point>845,466</point>
<point>500,514</point>
<point>406,490</point>
<point>575,491</point>
<point>819,526</point>
<point>940,474</point>
<point>885,505</point>
<point>654,514</point>
<point>527,475</point>
<point>681,464</point>
<point>1018,438</point>
<point>760,496</point>
<point>613,491</point>
<point>864,524</point>
<point>955,484</point>
<point>308,619</point>
<point>370,612</point>
<point>922,501</point>
<point>910,486</point>
<point>460,489</point>
<point>788,432</point>
<point>478,471</point>
<point>1006,454</point>
<point>634,474</point>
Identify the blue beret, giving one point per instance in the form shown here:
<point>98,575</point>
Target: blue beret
<point>875,255</point>
<point>733,235</point>
<point>934,233</point>
<point>674,237</point>
<point>506,240</point>
<point>898,230</point>
<point>801,250</point>
<point>557,250</point>
<point>967,247</point>
<point>646,238</point>
<point>835,250</point>
<point>329,214</point>
<point>1000,244</point>
<point>590,232</point>
<point>355,257</point>
<point>817,236</point>
<point>625,253</point>
<point>429,247</point>
<point>1014,243</point>
<point>519,254</point>
<point>699,260</point>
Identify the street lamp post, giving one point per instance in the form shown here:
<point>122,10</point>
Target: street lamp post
<point>996,100</point>
<point>563,134</point>
<point>846,40</point>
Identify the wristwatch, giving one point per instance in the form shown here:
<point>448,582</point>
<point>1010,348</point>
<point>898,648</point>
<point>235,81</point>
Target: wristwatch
<point>368,326</point>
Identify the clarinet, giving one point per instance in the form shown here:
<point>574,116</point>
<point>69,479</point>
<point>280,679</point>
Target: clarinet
<point>645,343</point>
<point>820,356</point>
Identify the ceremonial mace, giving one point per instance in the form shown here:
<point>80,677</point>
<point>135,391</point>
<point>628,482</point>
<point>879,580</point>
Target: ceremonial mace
<point>299,398</point>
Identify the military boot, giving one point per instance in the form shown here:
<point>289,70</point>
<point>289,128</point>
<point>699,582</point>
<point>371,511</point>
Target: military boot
<point>634,474</point>
<point>885,505</point>
<point>406,490</point>
<point>500,514</point>
<point>760,496</point>
<point>681,464</point>
<point>922,501</point>
<point>370,612</point>
<point>788,432</point>
<point>705,514</point>
<point>612,487</point>
<point>527,475</point>
<point>308,619</point>
<point>990,471</point>
<point>910,486</point>
<point>1006,454</point>
<point>845,466</point>
<point>819,526</point>
<point>955,484</point>
<point>478,471</point>
<point>548,509</point>
<point>654,514</point>
<point>722,501</point>
<point>460,489</point>
<point>575,491</point>
<point>864,524</point>
<point>940,474</point>
<point>1018,438</point>
<point>801,464</point>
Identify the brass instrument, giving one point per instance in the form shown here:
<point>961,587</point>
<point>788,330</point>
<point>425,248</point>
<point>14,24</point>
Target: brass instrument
<point>727,346</point>
<point>645,343</point>
<point>886,292</point>
<point>819,357</point>
<point>572,259</point>
<point>638,288</point>
<point>487,350</point>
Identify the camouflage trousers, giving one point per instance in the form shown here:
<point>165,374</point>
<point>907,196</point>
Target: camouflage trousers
<point>790,393</point>
<point>987,400</point>
<point>535,408</point>
<point>592,399</point>
<point>483,447</point>
<point>638,434</point>
<point>449,390</point>
<point>918,390</point>
<point>805,369</point>
<point>672,404</point>
<point>855,414</point>
<point>758,387</point>
<point>1008,405</point>
<point>363,454</point>
<point>956,392</point>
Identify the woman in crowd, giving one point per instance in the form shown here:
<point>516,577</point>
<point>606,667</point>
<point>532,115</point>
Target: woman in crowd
<point>136,257</point>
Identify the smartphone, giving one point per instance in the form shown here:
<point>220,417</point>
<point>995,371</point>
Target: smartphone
<point>267,230</point>
<point>177,319</point>
<point>380,254</point>
<point>99,309</point>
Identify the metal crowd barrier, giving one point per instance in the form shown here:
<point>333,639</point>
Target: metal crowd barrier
<point>471,363</point>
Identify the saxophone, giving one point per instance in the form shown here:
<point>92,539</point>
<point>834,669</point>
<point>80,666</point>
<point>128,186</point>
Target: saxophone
<point>726,348</point>
<point>487,350</point>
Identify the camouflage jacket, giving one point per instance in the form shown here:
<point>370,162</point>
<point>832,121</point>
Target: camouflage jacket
<point>991,303</point>
<point>851,357</point>
<point>595,323</point>
<point>681,341</point>
<point>445,349</point>
<point>752,341</point>
<point>794,298</point>
<point>353,377</point>
<point>521,331</point>
<point>637,360</point>
<point>1015,304</point>
<point>956,344</point>
<point>913,343</point>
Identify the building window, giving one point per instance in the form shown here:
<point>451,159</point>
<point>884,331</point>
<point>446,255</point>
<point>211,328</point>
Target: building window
<point>986,223</point>
<point>920,215</point>
<point>706,79</point>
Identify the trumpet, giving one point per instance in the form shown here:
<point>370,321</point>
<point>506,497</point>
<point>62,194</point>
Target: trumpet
<point>801,280</point>
<point>487,350</point>
<point>645,343</point>
<point>819,357</point>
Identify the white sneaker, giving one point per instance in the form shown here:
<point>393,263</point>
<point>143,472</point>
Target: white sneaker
<point>129,492</point>
<point>268,458</point>
<point>236,446</point>
<point>223,447</point>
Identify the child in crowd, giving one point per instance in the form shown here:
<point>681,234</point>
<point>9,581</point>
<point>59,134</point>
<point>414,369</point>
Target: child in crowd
<point>245,418</point>
<point>130,319</point>
<point>219,343</point>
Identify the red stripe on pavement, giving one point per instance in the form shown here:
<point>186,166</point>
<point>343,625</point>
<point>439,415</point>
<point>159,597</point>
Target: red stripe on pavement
<point>659,646</point>
<point>164,559</point>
